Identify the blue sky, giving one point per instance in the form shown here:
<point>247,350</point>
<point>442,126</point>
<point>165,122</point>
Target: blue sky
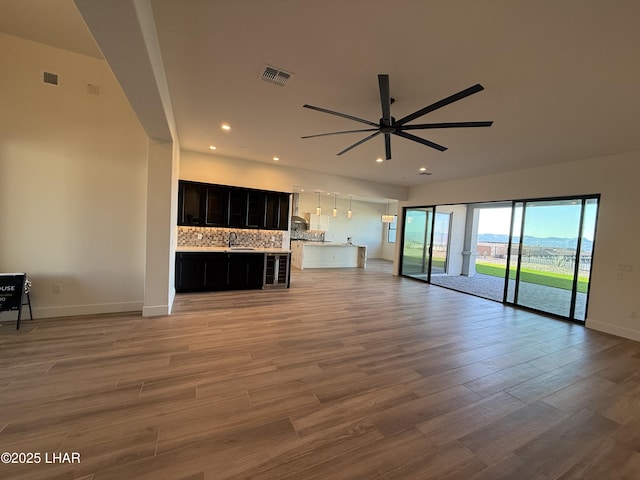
<point>542,221</point>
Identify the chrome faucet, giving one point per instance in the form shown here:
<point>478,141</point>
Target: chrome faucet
<point>233,236</point>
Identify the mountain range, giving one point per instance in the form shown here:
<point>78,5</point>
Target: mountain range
<point>549,242</point>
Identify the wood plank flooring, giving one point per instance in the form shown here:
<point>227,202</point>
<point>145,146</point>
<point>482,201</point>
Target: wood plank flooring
<point>350,374</point>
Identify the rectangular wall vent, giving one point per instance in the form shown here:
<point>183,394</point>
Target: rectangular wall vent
<point>93,89</point>
<point>51,78</point>
<point>275,75</point>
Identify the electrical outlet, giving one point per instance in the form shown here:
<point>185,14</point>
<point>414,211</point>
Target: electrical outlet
<point>57,288</point>
<point>199,236</point>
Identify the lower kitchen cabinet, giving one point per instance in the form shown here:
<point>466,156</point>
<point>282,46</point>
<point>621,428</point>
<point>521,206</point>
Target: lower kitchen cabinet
<point>215,271</point>
<point>212,271</point>
<point>245,271</point>
<point>190,273</point>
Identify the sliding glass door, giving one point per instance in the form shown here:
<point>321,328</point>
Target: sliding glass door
<point>550,255</point>
<point>548,248</point>
<point>416,245</point>
<point>542,261</point>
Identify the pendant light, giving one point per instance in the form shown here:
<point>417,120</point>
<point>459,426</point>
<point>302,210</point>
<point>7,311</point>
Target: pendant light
<point>387,218</point>
<point>318,209</point>
<point>349,212</point>
<point>335,205</point>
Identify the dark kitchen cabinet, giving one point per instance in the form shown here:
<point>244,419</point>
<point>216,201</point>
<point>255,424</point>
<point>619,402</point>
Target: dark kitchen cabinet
<point>208,205</point>
<point>245,271</point>
<point>189,204</point>
<point>216,206</point>
<point>189,272</point>
<point>255,209</point>
<point>277,211</point>
<point>216,275</point>
<point>213,271</point>
<point>237,209</point>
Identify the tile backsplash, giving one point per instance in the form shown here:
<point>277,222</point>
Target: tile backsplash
<point>219,237</point>
<point>309,235</point>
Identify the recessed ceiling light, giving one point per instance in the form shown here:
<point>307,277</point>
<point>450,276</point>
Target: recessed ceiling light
<point>225,127</point>
<point>423,169</point>
<point>211,147</point>
<point>379,160</point>
<point>276,158</point>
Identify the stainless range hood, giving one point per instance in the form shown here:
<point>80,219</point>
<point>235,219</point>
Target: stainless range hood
<point>296,220</point>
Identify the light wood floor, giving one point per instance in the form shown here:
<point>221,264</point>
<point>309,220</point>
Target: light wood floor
<point>350,374</point>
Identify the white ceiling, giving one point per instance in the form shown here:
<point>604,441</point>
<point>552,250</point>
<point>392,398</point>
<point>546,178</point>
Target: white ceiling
<point>561,78</point>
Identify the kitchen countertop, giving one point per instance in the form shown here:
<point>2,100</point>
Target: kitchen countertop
<point>236,249</point>
<point>327,244</point>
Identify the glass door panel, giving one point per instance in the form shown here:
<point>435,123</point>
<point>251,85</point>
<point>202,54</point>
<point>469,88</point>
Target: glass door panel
<point>441,230</point>
<point>514,251</point>
<point>548,251</point>
<point>587,238</point>
<point>416,248</point>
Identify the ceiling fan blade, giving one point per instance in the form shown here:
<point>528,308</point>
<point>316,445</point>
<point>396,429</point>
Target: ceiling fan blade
<point>387,146</point>
<point>343,115</point>
<point>338,133</point>
<point>445,125</point>
<point>442,103</point>
<point>420,140</point>
<point>385,99</point>
<point>358,143</point>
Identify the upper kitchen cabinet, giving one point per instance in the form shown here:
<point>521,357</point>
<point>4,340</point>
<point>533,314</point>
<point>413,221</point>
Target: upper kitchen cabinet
<point>256,202</point>
<point>190,204</point>
<point>216,206</point>
<point>207,205</point>
<point>237,214</point>
<point>318,222</point>
<point>277,211</point>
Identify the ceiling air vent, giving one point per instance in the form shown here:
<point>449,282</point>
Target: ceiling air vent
<point>275,75</point>
<point>51,78</point>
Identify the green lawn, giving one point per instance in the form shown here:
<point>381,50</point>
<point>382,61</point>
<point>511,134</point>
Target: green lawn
<point>556,280</point>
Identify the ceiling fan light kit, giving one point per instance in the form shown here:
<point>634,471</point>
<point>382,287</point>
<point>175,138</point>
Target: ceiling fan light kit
<point>388,125</point>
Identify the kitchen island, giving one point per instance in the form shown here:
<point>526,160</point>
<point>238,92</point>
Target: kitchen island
<point>306,254</point>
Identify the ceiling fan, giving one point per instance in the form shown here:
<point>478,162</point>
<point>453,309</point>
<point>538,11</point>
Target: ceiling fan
<point>388,125</point>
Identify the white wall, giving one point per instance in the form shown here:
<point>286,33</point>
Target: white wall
<point>72,182</point>
<point>209,168</point>
<point>614,304</point>
<point>389,249</point>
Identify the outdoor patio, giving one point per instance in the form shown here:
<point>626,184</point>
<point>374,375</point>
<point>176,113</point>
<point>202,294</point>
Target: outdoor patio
<point>553,300</point>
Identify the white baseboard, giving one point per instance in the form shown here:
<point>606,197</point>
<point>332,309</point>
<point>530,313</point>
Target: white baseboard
<point>614,330</point>
<point>76,310</point>
<point>90,309</point>
<point>155,310</point>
